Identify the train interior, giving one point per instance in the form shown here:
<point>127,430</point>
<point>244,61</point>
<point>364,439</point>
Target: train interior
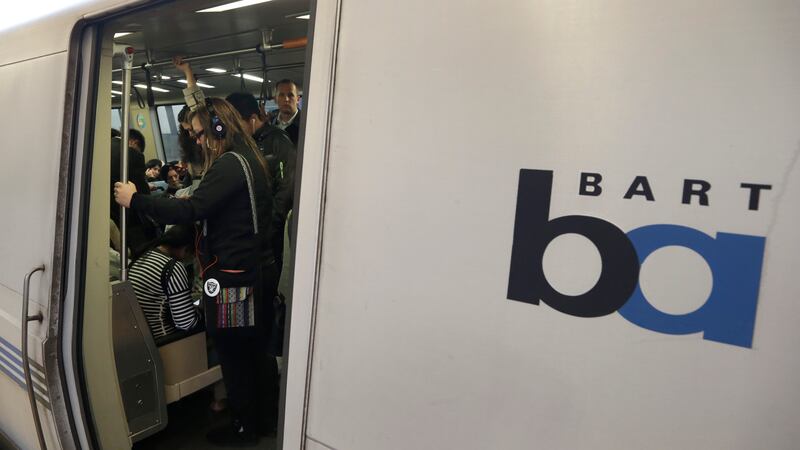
<point>166,393</point>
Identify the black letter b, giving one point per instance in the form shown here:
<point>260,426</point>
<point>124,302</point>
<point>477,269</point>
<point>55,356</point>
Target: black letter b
<point>533,231</point>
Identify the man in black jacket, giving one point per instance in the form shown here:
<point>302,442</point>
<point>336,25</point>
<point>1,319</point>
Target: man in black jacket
<point>281,156</point>
<point>288,115</point>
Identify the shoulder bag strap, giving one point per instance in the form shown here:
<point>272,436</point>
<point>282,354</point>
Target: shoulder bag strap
<point>248,175</point>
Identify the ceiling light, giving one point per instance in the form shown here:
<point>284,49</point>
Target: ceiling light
<point>116,92</point>
<point>216,70</point>
<point>124,33</point>
<point>233,5</point>
<point>198,83</point>
<point>156,89</point>
<point>164,77</point>
<point>113,96</point>
<point>247,76</point>
<point>117,82</point>
<point>304,16</point>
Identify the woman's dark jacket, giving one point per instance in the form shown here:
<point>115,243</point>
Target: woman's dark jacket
<point>222,201</point>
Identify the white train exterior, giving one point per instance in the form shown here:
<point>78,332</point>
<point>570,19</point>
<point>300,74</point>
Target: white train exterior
<point>521,224</point>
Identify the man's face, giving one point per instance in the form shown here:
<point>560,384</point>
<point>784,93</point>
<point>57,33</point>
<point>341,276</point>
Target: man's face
<point>134,144</point>
<point>173,179</point>
<point>287,98</point>
<point>181,168</point>
<point>153,172</point>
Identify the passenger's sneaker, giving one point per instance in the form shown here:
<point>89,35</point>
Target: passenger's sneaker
<point>232,435</point>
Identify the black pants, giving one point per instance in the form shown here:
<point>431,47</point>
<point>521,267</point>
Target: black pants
<point>251,379</point>
<point>249,372</point>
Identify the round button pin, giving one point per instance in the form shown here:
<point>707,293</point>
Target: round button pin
<point>211,287</point>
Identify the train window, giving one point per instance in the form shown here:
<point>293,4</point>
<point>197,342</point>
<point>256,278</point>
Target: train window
<point>116,119</point>
<point>168,124</point>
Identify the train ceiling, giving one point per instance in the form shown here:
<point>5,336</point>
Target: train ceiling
<point>177,28</point>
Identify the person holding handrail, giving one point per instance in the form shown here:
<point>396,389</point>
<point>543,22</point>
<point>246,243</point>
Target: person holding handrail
<point>234,205</point>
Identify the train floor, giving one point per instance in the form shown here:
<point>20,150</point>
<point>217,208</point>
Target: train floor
<point>189,420</point>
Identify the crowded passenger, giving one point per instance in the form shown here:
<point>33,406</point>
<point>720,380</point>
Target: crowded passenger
<point>191,154</point>
<point>274,144</point>
<point>234,203</point>
<point>153,170</point>
<point>136,140</point>
<point>288,114</point>
<point>171,176</point>
<point>162,284</point>
<point>281,156</point>
<point>183,173</point>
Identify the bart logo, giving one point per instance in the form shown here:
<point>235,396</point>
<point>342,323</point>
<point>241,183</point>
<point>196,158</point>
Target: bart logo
<point>735,260</point>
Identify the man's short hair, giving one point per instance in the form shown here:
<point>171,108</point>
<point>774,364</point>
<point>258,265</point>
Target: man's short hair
<point>153,163</point>
<point>137,136</point>
<point>285,81</point>
<point>245,103</point>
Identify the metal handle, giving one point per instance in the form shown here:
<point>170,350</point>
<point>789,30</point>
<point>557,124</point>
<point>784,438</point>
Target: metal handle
<point>26,365</point>
<point>127,66</point>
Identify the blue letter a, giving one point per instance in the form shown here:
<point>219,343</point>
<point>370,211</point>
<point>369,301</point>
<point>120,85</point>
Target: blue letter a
<point>728,315</point>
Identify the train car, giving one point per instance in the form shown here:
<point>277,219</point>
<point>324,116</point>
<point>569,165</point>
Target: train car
<point>517,224</point>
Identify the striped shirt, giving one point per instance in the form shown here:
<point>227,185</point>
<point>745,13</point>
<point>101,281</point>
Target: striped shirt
<point>163,316</point>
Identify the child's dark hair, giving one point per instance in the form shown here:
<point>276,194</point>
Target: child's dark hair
<point>178,236</point>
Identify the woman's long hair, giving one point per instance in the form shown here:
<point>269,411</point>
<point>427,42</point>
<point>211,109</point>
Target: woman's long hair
<point>235,133</point>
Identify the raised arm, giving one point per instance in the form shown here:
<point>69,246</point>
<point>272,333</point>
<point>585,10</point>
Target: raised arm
<point>193,95</point>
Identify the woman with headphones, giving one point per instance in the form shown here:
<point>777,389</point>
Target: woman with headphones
<point>233,204</point>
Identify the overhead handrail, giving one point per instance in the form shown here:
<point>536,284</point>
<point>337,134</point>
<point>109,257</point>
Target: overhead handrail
<point>123,148</point>
<point>26,365</point>
<point>208,76</point>
<point>287,44</point>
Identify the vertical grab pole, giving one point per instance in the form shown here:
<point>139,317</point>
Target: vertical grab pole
<point>127,68</point>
